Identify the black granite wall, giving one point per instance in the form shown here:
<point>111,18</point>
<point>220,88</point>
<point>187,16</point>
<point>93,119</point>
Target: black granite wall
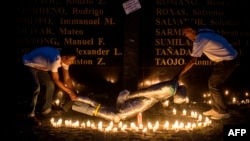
<point>119,50</point>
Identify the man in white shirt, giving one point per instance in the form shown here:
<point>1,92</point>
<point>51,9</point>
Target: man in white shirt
<point>218,50</point>
<point>42,65</point>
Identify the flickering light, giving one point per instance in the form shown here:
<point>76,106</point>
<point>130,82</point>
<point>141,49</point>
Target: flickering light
<point>193,125</point>
<point>175,125</point>
<point>115,129</point>
<point>144,130</point>
<point>188,125</point>
<point>208,95</point>
<point>150,126</point>
<point>147,83</point>
<point>120,127</point>
<point>124,127</point>
<point>100,126</point>
<point>200,118</point>
<point>184,112</point>
<point>88,123</point>
<point>165,103</point>
<point>242,102</point>
<point>83,125</point>
<point>120,124</point>
<point>139,118</point>
<point>226,92</point>
<point>204,95</point>
<point>181,125</point>
<point>174,111</point>
<point>75,124</point>
<point>166,125</point>
<point>92,125</point>
<point>247,101</point>
<point>57,102</point>
<point>111,124</point>
<point>187,100</point>
<point>156,126</point>
<point>246,94</point>
<point>209,102</point>
<point>234,100</point>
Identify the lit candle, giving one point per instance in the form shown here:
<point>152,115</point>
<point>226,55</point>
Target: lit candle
<point>52,120</point>
<point>175,125</point>
<point>132,125</point>
<point>92,125</point>
<point>139,119</point>
<point>120,124</point>
<point>124,127</point>
<point>181,126</point>
<point>246,94</point>
<point>192,114</point>
<point>174,111</point>
<point>115,129</point>
<point>108,128</point>
<point>100,125</point>
<point>234,100</point>
<point>57,102</point>
<point>204,95</point>
<point>150,126</point>
<point>111,124</point>
<point>59,123</point>
<point>184,112</point>
<point>83,125</point>
<point>195,115</point>
<point>200,118</point>
<point>226,92</point>
<point>193,125</point>
<point>209,102</point>
<point>165,103</point>
<point>156,126</point>
<point>247,101</point>
<point>75,124</point>
<point>188,126</point>
<point>166,125</point>
<point>88,123</point>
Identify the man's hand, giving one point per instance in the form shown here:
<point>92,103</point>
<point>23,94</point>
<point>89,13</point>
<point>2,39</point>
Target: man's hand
<point>73,97</point>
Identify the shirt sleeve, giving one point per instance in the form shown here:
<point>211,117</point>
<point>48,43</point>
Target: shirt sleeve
<point>56,64</point>
<point>198,46</point>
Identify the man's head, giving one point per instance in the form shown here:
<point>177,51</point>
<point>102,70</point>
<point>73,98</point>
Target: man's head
<point>189,30</point>
<point>68,55</point>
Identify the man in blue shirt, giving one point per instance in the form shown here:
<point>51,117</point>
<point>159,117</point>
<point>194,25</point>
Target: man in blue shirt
<point>42,65</point>
<point>218,50</point>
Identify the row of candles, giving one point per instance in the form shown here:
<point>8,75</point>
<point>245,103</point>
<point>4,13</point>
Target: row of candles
<point>198,122</point>
<point>234,99</point>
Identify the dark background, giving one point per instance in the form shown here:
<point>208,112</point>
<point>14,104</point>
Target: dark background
<point>134,35</point>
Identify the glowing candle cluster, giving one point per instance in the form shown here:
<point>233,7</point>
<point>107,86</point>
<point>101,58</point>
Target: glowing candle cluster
<point>232,99</point>
<point>197,122</point>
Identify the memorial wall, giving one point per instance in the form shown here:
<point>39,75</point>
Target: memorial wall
<point>131,44</point>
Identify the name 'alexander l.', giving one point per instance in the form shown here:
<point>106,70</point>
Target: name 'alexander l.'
<point>92,52</point>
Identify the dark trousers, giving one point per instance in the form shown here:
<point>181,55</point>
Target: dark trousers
<point>38,79</point>
<point>221,71</point>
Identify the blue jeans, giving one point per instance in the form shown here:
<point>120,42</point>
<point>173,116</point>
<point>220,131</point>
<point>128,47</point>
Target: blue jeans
<point>41,81</point>
<point>221,71</point>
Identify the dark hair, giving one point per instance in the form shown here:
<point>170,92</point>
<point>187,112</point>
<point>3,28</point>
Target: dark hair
<point>68,51</point>
<point>190,24</point>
